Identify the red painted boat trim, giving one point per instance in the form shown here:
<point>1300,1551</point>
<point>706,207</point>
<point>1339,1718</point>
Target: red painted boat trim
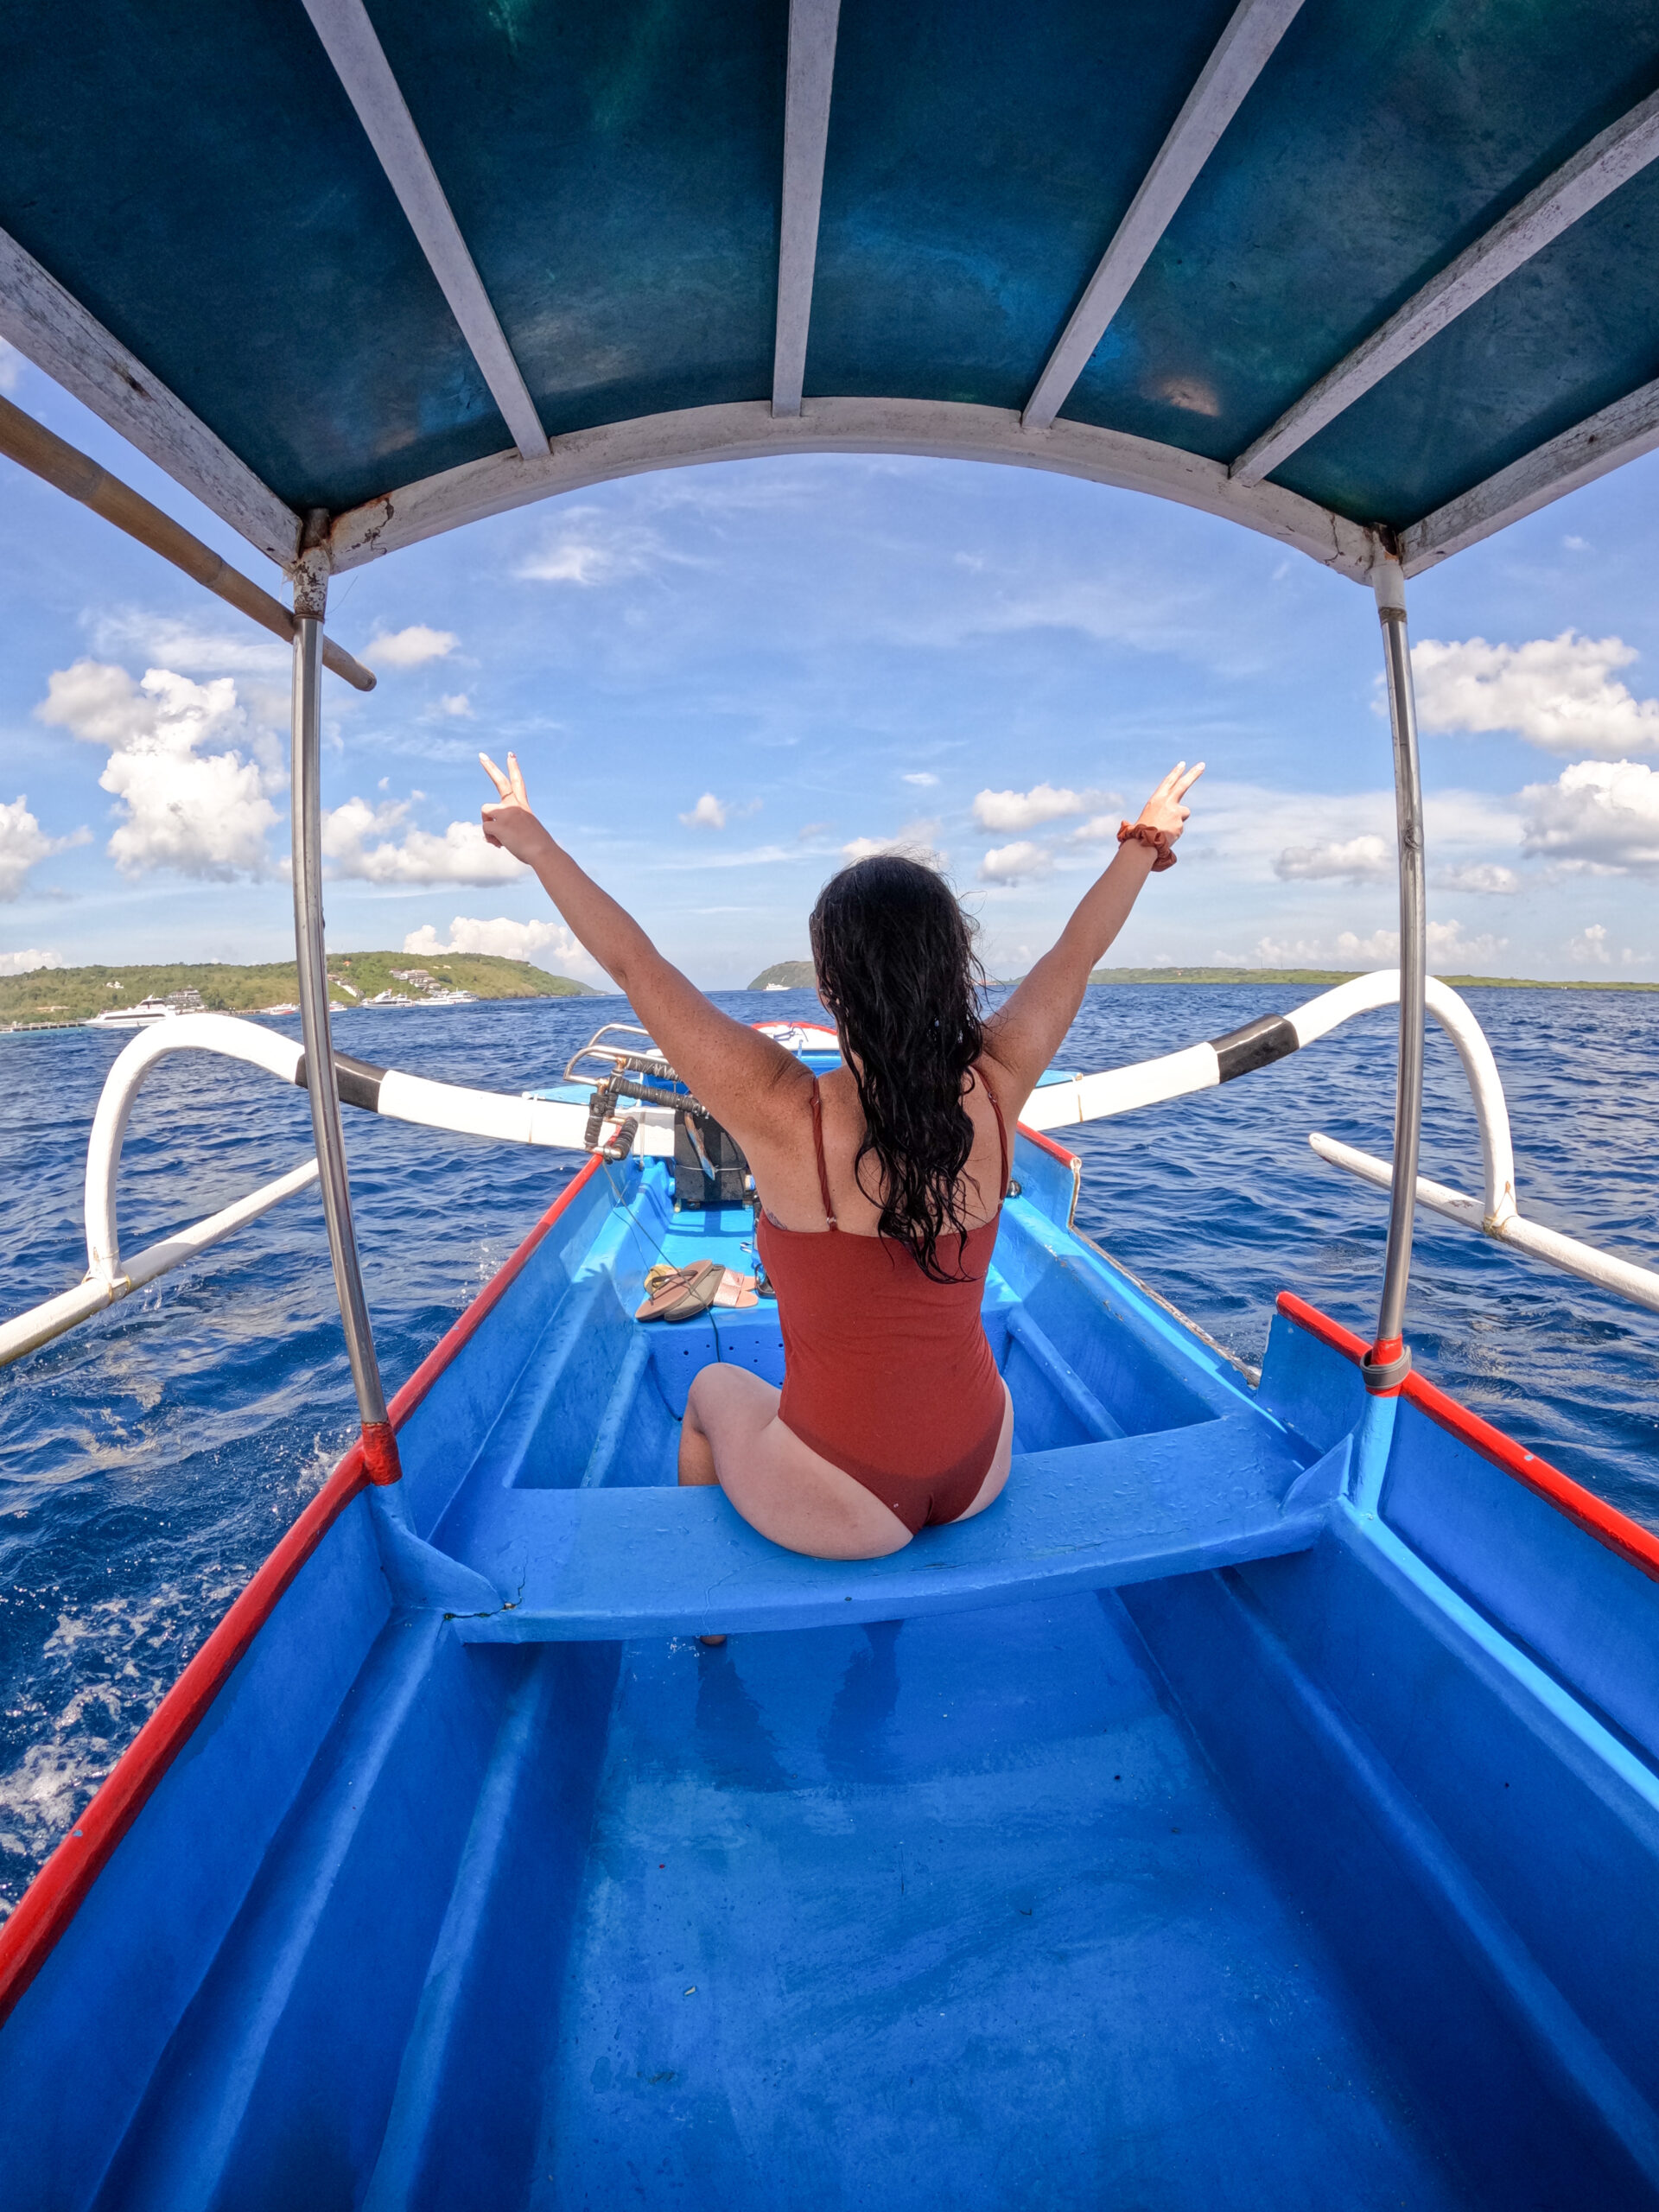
<point>1045,1143</point>
<point>52,1898</point>
<point>1610,1527</point>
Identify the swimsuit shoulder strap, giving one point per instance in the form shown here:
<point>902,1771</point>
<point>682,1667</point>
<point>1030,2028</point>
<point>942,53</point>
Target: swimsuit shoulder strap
<point>817,1143</point>
<point>1001,1136</point>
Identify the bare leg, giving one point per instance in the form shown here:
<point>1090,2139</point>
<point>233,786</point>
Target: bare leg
<point>778,1484</point>
<point>696,1450</point>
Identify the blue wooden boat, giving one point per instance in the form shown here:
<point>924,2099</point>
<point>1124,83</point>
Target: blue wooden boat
<point>1258,1807</point>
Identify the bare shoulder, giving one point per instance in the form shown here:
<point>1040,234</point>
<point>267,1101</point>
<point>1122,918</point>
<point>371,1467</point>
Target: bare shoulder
<point>1008,1088</point>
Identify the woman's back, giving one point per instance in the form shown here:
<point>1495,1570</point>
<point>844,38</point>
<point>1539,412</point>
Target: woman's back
<point>788,1172</point>
<point>888,1374</point>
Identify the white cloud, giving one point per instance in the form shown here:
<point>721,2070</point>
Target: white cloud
<point>362,841</point>
<point>458,704</point>
<point>1245,828</point>
<point>23,845</point>
<point>503,939</point>
<point>1026,810</point>
<point>1591,943</point>
<point>1381,946</point>
<point>1269,952</point>
<point>1099,829</point>
<point>410,648</point>
<point>914,841</point>
<point>923,778</point>
<point>1598,815</point>
<point>591,549</point>
<point>1558,693</point>
<point>708,813</point>
<point>203,813</point>
<point>25,962</point>
<point>1015,863</point>
<point>1296,952</point>
<point>1364,859</point>
<point>11,366</point>
<point>1576,545</point>
<point>191,648</point>
<point>1486,877</point>
<point>1447,946</point>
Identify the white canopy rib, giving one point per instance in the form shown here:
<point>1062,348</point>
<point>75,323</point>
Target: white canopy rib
<point>747,429</point>
<point>361,65</point>
<point>812,27</point>
<point>1611,158</point>
<point>51,328</point>
<point>1603,441</point>
<point>1255,29</point>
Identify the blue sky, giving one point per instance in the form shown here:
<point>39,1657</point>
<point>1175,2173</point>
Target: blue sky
<point>719,680</point>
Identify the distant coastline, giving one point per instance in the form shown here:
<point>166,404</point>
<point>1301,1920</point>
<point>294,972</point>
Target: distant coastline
<point>61,998</point>
<point>796,975</point>
<point>1325,977</point>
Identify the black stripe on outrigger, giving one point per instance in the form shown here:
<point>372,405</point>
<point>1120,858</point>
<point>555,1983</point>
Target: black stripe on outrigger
<point>358,1081</point>
<point>1257,1044</point>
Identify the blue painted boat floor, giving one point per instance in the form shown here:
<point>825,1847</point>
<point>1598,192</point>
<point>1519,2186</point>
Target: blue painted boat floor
<point>950,1913</point>
<point>1119,1884</point>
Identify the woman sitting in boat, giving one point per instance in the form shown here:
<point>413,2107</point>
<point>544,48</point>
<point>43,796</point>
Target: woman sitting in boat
<point>879,1185</point>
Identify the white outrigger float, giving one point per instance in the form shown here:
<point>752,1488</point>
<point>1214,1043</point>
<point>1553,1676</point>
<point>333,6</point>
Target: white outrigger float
<point>1260,1805</point>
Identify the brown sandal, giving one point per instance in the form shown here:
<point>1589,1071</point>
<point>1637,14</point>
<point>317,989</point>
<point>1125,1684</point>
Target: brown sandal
<point>679,1293</point>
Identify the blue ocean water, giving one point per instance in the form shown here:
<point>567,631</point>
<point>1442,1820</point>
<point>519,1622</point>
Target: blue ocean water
<point>148,1460</point>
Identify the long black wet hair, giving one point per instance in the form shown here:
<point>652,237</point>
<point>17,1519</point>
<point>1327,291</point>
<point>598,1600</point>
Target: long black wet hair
<point>896,966</point>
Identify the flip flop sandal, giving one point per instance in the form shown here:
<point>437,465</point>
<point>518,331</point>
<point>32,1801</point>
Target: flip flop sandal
<point>736,1290</point>
<point>667,1287</point>
<point>698,1294</point>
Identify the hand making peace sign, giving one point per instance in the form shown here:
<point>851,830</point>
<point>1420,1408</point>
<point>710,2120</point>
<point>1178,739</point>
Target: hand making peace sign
<point>510,823</point>
<point>1163,809</point>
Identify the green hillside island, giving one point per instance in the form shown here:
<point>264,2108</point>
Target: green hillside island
<point>785,976</point>
<point>796,975</point>
<point>58,997</point>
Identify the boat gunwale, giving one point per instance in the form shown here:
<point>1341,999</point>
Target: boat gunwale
<point>1614,1530</point>
<point>43,1913</point>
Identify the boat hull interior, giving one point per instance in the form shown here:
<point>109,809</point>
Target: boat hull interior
<point>1319,1869</point>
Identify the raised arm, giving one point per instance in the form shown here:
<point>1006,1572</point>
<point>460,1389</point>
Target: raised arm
<point>1024,1034</point>
<point>732,1069</point>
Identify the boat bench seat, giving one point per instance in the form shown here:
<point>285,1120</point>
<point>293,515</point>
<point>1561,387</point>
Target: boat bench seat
<point>610,1564</point>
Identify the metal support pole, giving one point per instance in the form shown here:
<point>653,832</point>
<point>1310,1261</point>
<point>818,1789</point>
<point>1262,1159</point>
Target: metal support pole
<point>310,596</point>
<point>1389,1362</point>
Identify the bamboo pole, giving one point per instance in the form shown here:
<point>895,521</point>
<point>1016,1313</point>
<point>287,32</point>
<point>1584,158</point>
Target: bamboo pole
<point>34,448</point>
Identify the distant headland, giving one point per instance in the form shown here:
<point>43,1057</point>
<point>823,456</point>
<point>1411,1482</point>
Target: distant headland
<point>59,997</point>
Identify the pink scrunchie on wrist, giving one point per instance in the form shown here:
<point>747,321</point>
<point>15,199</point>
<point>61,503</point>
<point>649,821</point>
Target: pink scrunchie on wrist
<point>1142,833</point>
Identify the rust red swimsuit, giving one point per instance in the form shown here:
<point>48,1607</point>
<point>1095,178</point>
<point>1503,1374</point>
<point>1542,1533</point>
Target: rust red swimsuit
<point>886,1373</point>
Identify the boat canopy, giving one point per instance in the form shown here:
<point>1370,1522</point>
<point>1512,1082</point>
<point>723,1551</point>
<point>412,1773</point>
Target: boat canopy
<point>1324,268</point>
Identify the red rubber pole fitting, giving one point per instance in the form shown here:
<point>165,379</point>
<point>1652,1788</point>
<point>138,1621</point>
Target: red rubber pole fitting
<point>380,1459</point>
<point>1385,1367</point>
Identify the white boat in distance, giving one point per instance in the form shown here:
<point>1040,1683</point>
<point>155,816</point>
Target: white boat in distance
<point>144,1016</point>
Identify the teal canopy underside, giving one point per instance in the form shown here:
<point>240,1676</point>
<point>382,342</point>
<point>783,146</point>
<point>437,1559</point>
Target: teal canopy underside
<point>193,172</point>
